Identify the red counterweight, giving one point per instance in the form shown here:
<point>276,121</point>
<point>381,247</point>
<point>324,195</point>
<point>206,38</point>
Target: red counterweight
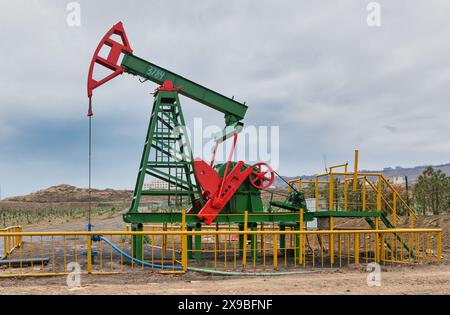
<point>211,183</point>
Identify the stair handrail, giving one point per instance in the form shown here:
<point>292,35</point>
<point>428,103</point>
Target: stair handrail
<point>410,210</point>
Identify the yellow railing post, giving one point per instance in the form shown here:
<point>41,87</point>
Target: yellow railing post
<point>184,254</point>
<point>275,252</point>
<point>18,242</point>
<point>331,220</point>
<point>89,254</point>
<point>5,246</point>
<point>411,236</point>
<point>379,195</point>
<point>356,250</point>
<point>377,240</point>
<point>399,197</point>
<point>164,241</point>
<point>355,171</point>
<point>9,245</point>
<point>364,194</point>
<point>316,193</point>
<point>394,209</point>
<point>19,238</point>
<point>439,247</point>
<point>300,243</point>
<point>244,245</point>
<point>331,192</point>
<point>345,188</point>
<point>377,223</point>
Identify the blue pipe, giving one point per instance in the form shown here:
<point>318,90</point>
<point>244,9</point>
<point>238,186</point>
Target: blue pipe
<point>172,267</point>
<point>137,261</point>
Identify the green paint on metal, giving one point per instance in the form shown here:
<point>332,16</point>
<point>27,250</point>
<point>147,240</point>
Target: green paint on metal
<point>198,245</point>
<point>168,159</point>
<point>282,238</point>
<point>389,225</point>
<point>137,241</point>
<point>233,110</point>
<point>297,243</point>
<point>189,244</point>
<point>254,242</point>
<point>247,197</point>
<point>241,240</point>
<point>175,217</point>
<point>294,202</point>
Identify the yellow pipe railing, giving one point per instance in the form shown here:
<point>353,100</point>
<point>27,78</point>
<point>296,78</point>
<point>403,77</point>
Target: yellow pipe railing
<point>10,243</point>
<point>393,205</point>
<point>297,247</point>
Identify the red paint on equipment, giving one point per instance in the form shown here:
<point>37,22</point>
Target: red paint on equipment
<point>167,86</point>
<point>259,178</point>
<point>110,62</point>
<point>207,177</point>
<point>230,185</point>
<point>218,191</point>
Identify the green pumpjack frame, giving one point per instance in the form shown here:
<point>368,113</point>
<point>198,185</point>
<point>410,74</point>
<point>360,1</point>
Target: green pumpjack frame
<point>166,116</point>
<point>157,157</point>
<point>166,156</point>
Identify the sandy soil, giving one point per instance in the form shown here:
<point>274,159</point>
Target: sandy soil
<point>407,280</point>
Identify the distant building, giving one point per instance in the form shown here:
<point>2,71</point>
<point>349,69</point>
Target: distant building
<point>156,184</point>
<point>397,180</point>
<point>311,205</point>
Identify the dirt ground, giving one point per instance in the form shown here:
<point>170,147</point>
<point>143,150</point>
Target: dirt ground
<point>394,280</point>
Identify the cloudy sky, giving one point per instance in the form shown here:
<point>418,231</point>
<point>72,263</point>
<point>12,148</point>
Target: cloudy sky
<point>314,68</point>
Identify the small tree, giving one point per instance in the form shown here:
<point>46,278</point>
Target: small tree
<point>432,191</point>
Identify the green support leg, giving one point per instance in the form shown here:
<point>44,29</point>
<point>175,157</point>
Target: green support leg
<point>241,240</point>
<point>189,244</point>
<point>198,244</point>
<point>254,242</point>
<point>297,242</point>
<point>282,238</point>
<point>137,241</point>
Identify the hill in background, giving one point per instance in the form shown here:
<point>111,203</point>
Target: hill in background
<point>66,196</point>
<point>411,172</point>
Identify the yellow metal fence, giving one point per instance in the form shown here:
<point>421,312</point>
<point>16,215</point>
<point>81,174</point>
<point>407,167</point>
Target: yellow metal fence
<point>347,190</point>
<point>50,253</point>
<point>10,242</point>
